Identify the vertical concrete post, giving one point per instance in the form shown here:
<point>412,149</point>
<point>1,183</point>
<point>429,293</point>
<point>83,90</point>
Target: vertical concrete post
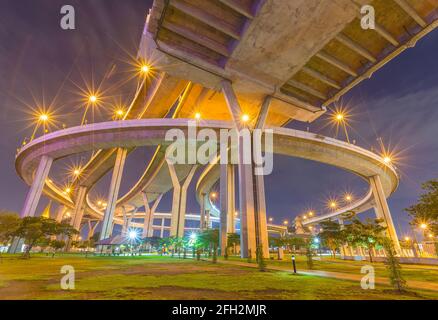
<point>179,201</point>
<point>107,226</point>
<point>92,230</point>
<point>60,213</point>
<point>202,213</point>
<point>246,186</point>
<point>33,197</point>
<point>78,212</point>
<point>36,189</point>
<point>231,202</point>
<point>125,221</point>
<point>149,214</point>
<point>223,218</point>
<point>382,210</point>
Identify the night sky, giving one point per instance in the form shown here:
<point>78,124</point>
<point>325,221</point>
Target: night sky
<point>42,64</point>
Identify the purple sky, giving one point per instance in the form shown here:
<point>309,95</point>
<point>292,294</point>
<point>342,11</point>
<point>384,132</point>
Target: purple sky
<point>38,58</point>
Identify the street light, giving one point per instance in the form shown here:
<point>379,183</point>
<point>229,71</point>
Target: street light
<point>145,69</point>
<point>423,226</point>
<point>348,197</point>
<point>285,222</point>
<point>245,118</point>
<point>197,116</point>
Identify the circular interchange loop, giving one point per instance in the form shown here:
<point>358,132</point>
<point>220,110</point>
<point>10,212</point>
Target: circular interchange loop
<point>151,132</point>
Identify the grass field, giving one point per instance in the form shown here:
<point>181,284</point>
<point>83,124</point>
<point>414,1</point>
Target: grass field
<point>155,277</point>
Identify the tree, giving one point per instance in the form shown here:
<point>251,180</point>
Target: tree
<point>393,265</point>
<point>368,234</point>
<point>57,245</point>
<point>426,209</point>
<point>209,239</point>
<point>332,235</point>
<point>233,241</point>
<point>260,260</point>
<point>36,229</point>
<point>9,223</point>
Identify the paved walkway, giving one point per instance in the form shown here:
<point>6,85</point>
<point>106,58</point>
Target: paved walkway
<point>336,275</point>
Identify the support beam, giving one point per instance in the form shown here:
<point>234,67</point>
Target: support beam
<point>179,201</point>
<point>260,200</point>
<point>411,12</point>
<point>197,38</point>
<point>321,77</point>
<point>33,197</point>
<point>355,47</point>
<point>206,18</point>
<point>226,204</point>
<point>246,184</point>
<point>125,221</point>
<point>336,63</point>
<point>382,210</point>
<point>79,210</point>
<point>149,214</point>
<point>113,194</point>
<point>202,213</point>
<point>36,189</point>
<point>238,7</point>
<point>60,213</point>
<point>307,89</point>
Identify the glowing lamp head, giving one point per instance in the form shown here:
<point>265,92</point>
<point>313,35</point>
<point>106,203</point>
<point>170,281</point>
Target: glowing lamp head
<point>310,213</point>
<point>245,118</point>
<point>423,226</point>
<point>77,172</point>
<point>193,236</point>
<point>430,235</point>
<point>67,190</point>
<point>132,234</point>
<point>304,217</point>
<point>348,197</point>
<point>197,116</point>
<point>99,203</point>
<point>145,68</point>
<point>271,219</point>
<point>93,99</point>
<point>339,117</point>
<point>333,204</point>
<point>407,238</point>
<point>44,117</point>
<point>316,240</point>
<point>214,195</point>
<point>387,159</point>
<point>120,112</point>
<point>285,222</point>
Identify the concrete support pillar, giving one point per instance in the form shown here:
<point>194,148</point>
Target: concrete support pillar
<point>36,189</point>
<point>179,201</point>
<point>226,204</point>
<point>207,220</point>
<point>382,210</point>
<point>107,226</point>
<point>60,213</point>
<point>33,196</point>
<point>202,213</point>
<point>246,184</point>
<point>125,222</point>
<point>91,228</point>
<point>162,228</point>
<point>253,222</point>
<point>78,212</point>
<point>149,215</point>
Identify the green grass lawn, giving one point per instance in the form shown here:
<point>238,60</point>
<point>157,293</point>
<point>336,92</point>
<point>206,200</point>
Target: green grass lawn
<point>155,277</point>
<point>410,272</point>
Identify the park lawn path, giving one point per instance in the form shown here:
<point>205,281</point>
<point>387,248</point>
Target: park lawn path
<point>423,285</point>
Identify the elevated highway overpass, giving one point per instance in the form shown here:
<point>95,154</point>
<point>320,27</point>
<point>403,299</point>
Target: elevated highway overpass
<point>275,61</point>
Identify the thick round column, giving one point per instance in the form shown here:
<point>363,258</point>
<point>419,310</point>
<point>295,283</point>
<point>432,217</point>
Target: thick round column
<point>382,210</point>
<point>107,226</point>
